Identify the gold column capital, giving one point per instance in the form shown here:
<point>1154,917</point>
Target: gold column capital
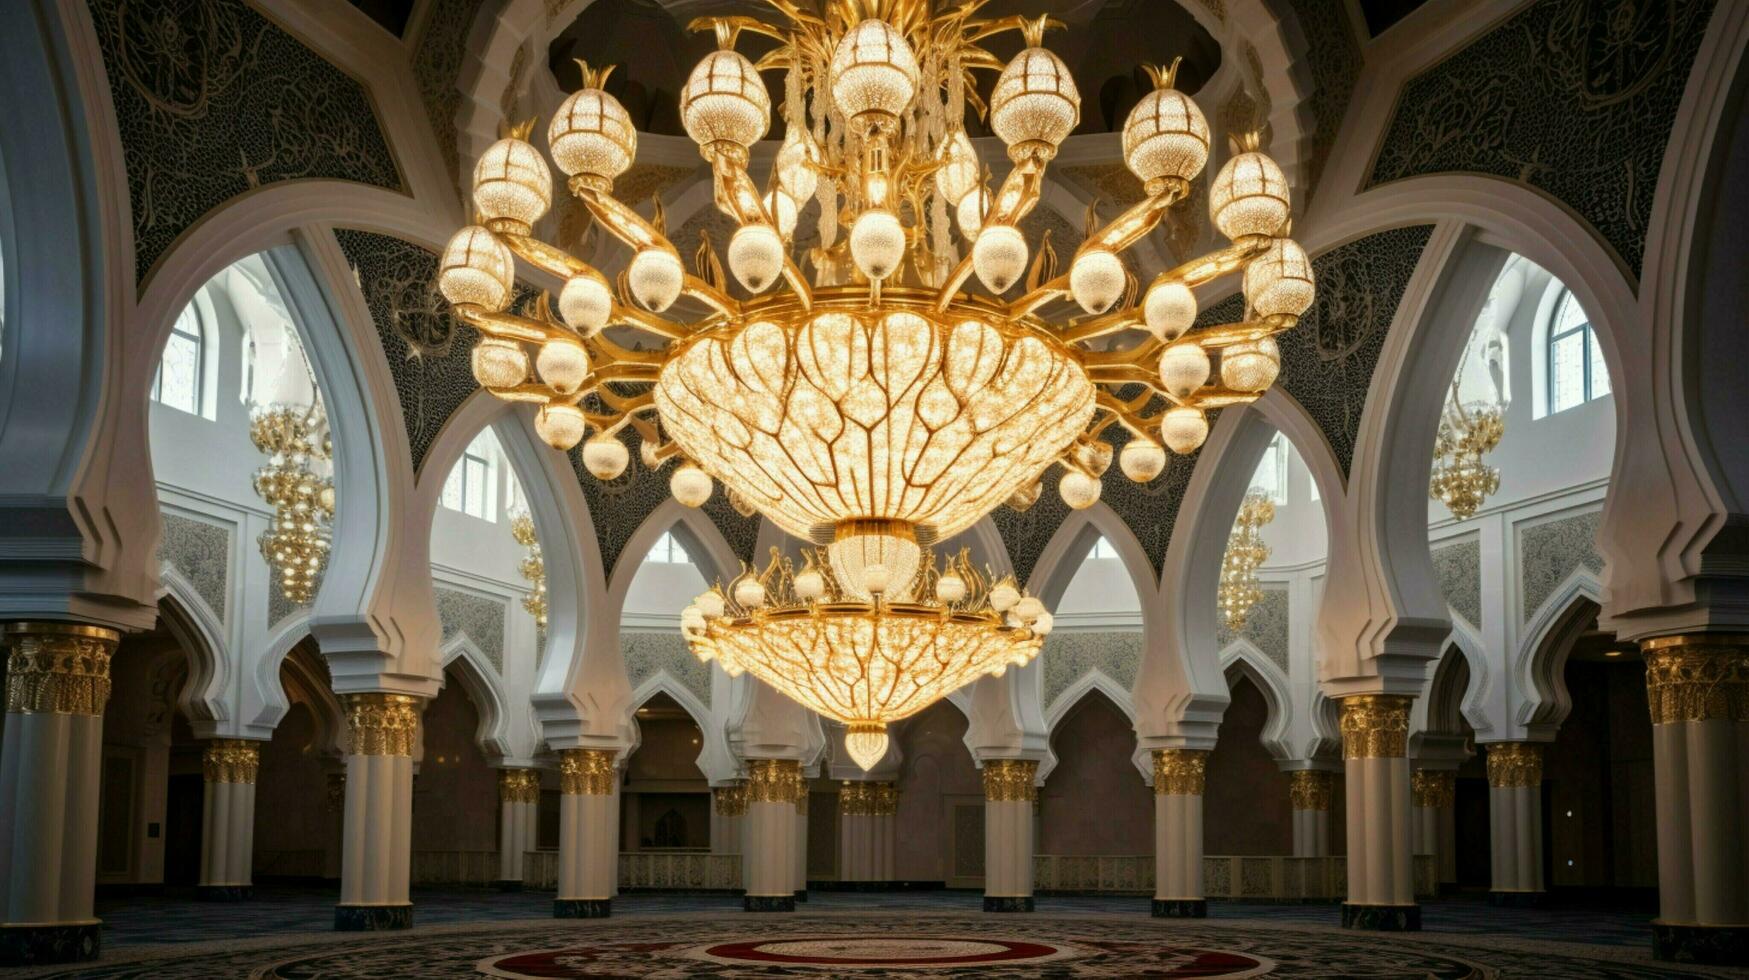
<point>1010,780</point>
<point>886,801</point>
<point>231,760</point>
<point>773,780</point>
<point>1309,789</point>
<point>58,668</point>
<point>587,772</point>
<point>730,801</point>
<point>1433,789</point>
<point>856,799</point>
<point>1512,764</point>
<point>1375,726</point>
<point>1697,677</point>
<point>518,786</point>
<point>801,795</point>
<point>382,724</point>
<point>1179,772</point>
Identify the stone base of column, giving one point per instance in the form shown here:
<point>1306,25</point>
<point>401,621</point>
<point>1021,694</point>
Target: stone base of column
<point>1181,908</point>
<point>1008,903</point>
<point>60,942</point>
<point>508,884</point>
<point>582,908</point>
<point>1519,900</point>
<point>372,918</point>
<point>1710,945</point>
<point>768,903</point>
<point>1381,918</point>
<point>224,893</point>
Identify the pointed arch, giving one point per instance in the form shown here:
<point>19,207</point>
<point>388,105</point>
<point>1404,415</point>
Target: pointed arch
<point>270,690</point>
<point>1540,662</point>
<point>1241,658</point>
<point>478,678</point>
<point>715,760</point>
<point>1094,681</point>
<point>197,629</point>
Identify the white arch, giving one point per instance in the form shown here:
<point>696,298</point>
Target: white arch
<point>200,633</point>
<point>1242,658</point>
<point>269,691</point>
<point>1093,680</point>
<point>1539,663</point>
<point>715,760</point>
<point>480,680</point>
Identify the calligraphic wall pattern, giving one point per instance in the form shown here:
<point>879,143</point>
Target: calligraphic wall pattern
<point>481,618</point>
<point>1459,568</point>
<point>646,653</point>
<point>1550,551</point>
<point>1069,655</point>
<point>201,551</point>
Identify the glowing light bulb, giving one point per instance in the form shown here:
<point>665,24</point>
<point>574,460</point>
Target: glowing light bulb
<point>783,210</point>
<point>499,363</point>
<point>999,257</point>
<point>877,242</point>
<point>559,426</point>
<point>950,588</point>
<point>656,277</point>
<point>866,744</point>
<point>1170,309</point>
<point>756,256</point>
<point>605,457</point>
<point>512,186</point>
<point>1096,279</point>
<point>1249,197</point>
<point>1079,490</point>
<point>1184,367</point>
<point>1251,366</point>
<point>563,364</point>
<point>970,213</point>
<point>1142,460</point>
<point>690,485</point>
<point>958,175</point>
<point>1183,429</point>
<point>873,70</point>
<point>585,303</point>
<point>476,271</point>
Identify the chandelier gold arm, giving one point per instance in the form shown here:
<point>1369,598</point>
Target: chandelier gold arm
<point>1020,192</point>
<point>737,197</point>
<point>630,227</point>
<point>510,326</point>
<point>564,265</point>
<point>1122,232</point>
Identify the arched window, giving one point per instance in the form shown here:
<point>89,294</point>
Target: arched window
<point>1271,473</point>
<point>668,551</point>
<point>1102,549</point>
<point>1575,360</point>
<point>472,486</point>
<point>178,382</point>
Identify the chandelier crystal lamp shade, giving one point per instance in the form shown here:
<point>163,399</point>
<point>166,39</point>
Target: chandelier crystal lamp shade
<point>296,482</point>
<point>1460,479</point>
<point>1239,589</point>
<point>866,658</point>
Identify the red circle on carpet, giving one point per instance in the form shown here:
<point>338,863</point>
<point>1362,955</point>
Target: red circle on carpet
<point>987,951</point>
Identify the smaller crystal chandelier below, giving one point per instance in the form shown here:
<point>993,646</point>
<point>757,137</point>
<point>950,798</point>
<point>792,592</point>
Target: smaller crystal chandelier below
<point>866,660</point>
<point>533,567</point>
<point>1460,479</point>
<point>1240,590</point>
<point>296,484</point>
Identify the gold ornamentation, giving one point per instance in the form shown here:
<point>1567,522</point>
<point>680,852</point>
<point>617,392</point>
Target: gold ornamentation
<point>519,785</point>
<point>1433,789</point>
<point>1309,789</point>
<point>587,772</point>
<point>1459,478</point>
<point>230,760</point>
<point>1515,764</point>
<point>297,484</point>
<point>886,801</point>
<point>58,668</point>
<point>1010,781</point>
<point>730,801</point>
<point>773,780</point>
<point>856,799</point>
<point>1697,677</point>
<point>1239,589</point>
<point>382,724</point>
<point>533,568</point>
<point>1375,726</point>
<point>1179,772</point>
<point>802,793</point>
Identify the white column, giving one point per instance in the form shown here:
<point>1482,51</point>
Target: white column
<point>1009,795</point>
<point>1309,794</point>
<point>1178,786</point>
<point>518,806</point>
<point>883,833</point>
<point>1515,823</point>
<point>1697,687</point>
<point>1432,819</point>
<point>227,835</point>
<point>588,834</point>
<point>728,812</point>
<point>855,831</point>
<point>801,857</point>
<point>57,684</point>
<point>1381,883</point>
<point>768,865</point>
<point>377,829</point>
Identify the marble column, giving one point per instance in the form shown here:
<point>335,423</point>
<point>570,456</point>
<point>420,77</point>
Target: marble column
<point>588,834</point>
<point>768,865</point>
<point>1381,871</point>
<point>801,827</point>
<point>1697,687</point>
<point>884,833</point>
<point>1178,785</point>
<point>1515,823</point>
<point>518,806</point>
<point>1009,795</point>
<point>1308,793</point>
<point>57,684</point>
<point>855,832</point>
<point>1433,820</point>
<point>728,812</point>
<point>376,850</point>
<point>227,831</point>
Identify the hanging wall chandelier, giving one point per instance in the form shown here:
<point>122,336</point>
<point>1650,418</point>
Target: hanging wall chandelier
<point>295,482</point>
<point>872,403</point>
<point>532,568</point>
<point>1460,479</point>
<point>1239,590</point>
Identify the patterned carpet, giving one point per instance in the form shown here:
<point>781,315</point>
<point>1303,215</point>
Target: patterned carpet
<point>884,943</point>
<point>286,933</point>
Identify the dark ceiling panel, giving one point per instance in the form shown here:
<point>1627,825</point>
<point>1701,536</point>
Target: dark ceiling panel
<point>392,15</point>
<point>1381,14</point>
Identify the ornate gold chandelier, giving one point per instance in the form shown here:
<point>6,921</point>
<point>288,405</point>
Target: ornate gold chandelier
<point>872,403</point>
<point>532,568</point>
<point>1239,589</point>
<point>1460,479</point>
<point>296,442</point>
<point>866,659</point>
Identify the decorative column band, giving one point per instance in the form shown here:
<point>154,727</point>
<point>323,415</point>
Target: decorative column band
<point>864,799</point>
<point>773,780</point>
<point>1375,726</point>
<point>58,668</point>
<point>1697,677</point>
<point>730,801</point>
<point>1179,772</point>
<point>886,801</point>
<point>801,796</point>
<point>231,760</point>
<point>1515,764</point>
<point>519,785</point>
<point>1433,789</point>
<point>382,724</point>
<point>587,772</point>
<point>1309,789</point>
<point>1010,781</point>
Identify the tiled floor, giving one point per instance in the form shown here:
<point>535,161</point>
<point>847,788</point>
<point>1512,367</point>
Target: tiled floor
<point>151,921</point>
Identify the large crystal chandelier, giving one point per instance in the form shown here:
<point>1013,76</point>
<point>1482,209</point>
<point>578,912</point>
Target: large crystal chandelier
<point>1460,479</point>
<point>532,568</point>
<point>865,398</point>
<point>866,658</point>
<point>1239,588</point>
<point>296,483</point>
